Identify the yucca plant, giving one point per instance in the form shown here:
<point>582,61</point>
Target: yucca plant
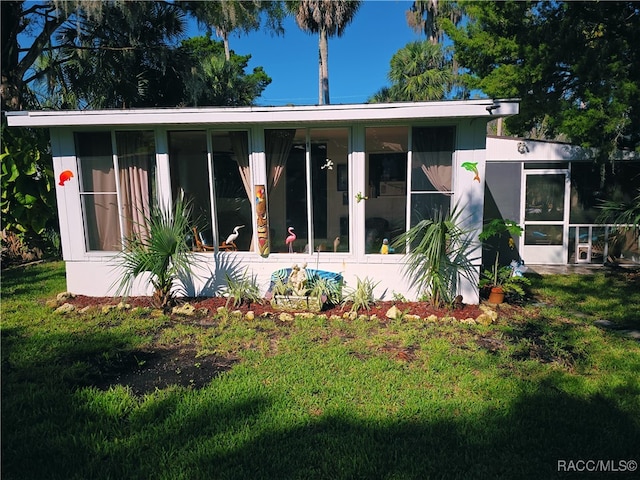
<point>243,289</point>
<point>439,255</point>
<point>165,253</point>
<point>361,297</point>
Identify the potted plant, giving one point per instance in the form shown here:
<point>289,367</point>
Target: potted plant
<point>499,279</point>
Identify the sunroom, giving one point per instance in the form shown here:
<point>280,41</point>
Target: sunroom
<point>340,179</point>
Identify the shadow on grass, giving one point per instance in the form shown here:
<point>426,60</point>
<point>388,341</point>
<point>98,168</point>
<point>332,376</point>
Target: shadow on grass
<point>33,280</point>
<point>53,429</point>
<point>614,291</point>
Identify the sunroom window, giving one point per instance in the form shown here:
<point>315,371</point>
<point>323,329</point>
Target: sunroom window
<point>386,171</point>
<point>223,187</point>
<point>308,168</point>
<point>106,218</point>
<point>431,171</point>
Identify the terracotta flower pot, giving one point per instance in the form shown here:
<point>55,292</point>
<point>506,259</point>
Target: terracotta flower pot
<point>497,295</point>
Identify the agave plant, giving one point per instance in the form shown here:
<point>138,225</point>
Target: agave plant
<point>438,256</point>
<point>164,254</point>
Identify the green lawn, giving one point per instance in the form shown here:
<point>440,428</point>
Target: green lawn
<point>322,398</point>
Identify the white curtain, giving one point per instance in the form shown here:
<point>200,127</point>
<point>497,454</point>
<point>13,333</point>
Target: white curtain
<point>433,153</point>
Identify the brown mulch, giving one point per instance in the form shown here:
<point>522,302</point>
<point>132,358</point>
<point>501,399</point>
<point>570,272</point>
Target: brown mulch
<point>380,308</point>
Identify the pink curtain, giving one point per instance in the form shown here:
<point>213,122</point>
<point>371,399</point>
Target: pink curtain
<point>136,159</point>
<point>240,146</point>
<point>277,145</point>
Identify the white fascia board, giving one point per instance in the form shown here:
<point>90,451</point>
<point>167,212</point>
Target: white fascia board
<point>509,149</point>
<point>489,109</point>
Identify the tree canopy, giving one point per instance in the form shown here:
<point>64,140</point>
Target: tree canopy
<point>575,66</point>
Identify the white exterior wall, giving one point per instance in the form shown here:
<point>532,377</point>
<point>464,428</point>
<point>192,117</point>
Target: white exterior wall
<point>96,273</point>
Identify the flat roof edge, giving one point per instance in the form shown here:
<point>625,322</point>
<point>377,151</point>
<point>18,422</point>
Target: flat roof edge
<point>257,114</point>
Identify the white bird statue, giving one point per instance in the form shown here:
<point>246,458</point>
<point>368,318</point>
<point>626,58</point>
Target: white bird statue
<point>232,238</point>
<point>336,244</point>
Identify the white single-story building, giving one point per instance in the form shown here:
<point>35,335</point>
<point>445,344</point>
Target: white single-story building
<point>554,191</point>
<point>341,178</point>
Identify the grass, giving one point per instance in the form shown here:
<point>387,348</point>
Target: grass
<point>319,398</point>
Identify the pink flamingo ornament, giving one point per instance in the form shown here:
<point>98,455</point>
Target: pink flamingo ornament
<point>290,239</point>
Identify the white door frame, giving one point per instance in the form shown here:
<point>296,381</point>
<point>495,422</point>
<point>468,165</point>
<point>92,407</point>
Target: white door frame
<point>541,254</point>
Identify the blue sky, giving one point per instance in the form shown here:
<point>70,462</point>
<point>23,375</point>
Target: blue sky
<point>358,61</point>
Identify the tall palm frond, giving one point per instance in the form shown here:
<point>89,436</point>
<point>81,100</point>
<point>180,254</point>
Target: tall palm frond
<point>439,255</point>
<point>164,254</point>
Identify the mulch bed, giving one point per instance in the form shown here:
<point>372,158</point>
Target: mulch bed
<point>380,308</point>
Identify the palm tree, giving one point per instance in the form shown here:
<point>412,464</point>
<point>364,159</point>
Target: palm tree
<point>327,18</point>
<point>426,16</point>
<point>123,59</point>
<point>420,71</point>
<point>228,16</point>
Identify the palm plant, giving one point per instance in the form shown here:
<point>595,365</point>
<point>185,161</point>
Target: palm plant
<point>625,214</point>
<point>164,254</point>
<point>439,255</point>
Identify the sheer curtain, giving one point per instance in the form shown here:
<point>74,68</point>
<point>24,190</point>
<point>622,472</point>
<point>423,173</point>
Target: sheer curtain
<point>136,161</point>
<point>240,146</point>
<point>433,155</point>
<point>277,145</point>
<point>98,190</point>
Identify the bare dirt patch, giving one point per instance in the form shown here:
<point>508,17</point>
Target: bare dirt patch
<point>144,371</point>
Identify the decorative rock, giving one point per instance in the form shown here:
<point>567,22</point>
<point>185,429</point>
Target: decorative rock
<point>65,308</point>
<point>221,310</point>
<point>237,313</point>
<point>107,308</point>
<point>52,303</point>
<point>484,319</point>
<point>187,310</point>
<point>432,318</point>
<point>363,318</point>
<point>490,312</point>
<point>412,318</point>
<point>335,317</point>
<point>64,296</point>
<point>250,315</point>
<point>86,309</point>
<point>350,315</point>
<point>123,306</point>
<point>202,311</point>
<point>285,317</point>
<point>468,321</point>
<point>393,313</point>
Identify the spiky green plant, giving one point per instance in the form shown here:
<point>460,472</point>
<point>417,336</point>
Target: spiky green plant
<point>165,253</point>
<point>330,292</point>
<point>439,255</point>
<point>242,289</point>
<point>361,297</point>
